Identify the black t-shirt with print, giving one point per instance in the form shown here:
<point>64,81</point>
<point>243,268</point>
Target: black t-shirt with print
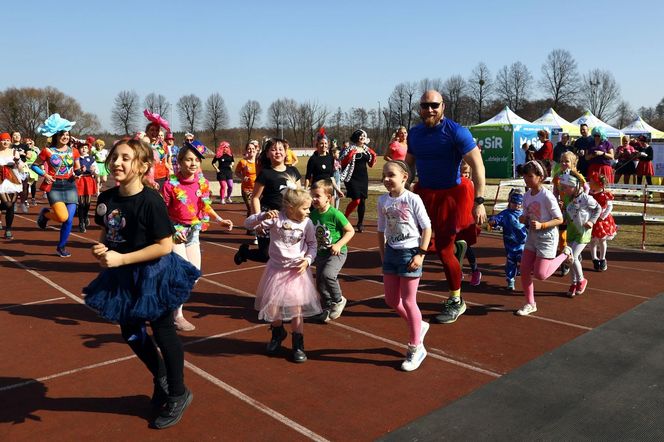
<point>320,167</point>
<point>273,182</point>
<point>132,222</point>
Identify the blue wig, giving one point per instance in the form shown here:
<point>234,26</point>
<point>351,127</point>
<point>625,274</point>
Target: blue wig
<point>601,132</point>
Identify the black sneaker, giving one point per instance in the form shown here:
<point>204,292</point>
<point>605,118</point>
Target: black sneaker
<point>81,227</point>
<point>241,255</point>
<point>564,270</point>
<point>8,234</point>
<point>596,264</point>
<point>603,266</point>
<point>62,252</point>
<point>323,317</point>
<point>278,336</point>
<point>452,309</point>
<point>173,410</point>
<point>359,228</point>
<point>41,219</point>
<point>160,393</point>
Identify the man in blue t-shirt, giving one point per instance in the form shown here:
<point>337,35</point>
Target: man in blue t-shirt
<point>435,149</point>
<point>581,146</point>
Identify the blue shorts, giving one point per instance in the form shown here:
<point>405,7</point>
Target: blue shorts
<point>395,262</point>
<point>63,191</point>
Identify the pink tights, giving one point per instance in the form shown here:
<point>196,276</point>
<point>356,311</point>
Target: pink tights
<point>225,188</point>
<point>541,268</point>
<point>401,295</point>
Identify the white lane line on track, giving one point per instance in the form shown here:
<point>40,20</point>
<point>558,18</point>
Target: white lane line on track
<point>44,279</point>
<point>44,301</point>
<point>234,270</point>
<point>435,356</point>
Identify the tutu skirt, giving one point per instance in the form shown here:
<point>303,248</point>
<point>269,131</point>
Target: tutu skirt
<point>645,168</point>
<point>142,291</point>
<point>86,185</point>
<point>101,169</point>
<point>283,294</point>
<point>605,228</point>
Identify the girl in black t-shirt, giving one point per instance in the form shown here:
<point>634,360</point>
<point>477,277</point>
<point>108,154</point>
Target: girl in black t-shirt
<point>267,194</point>
<point>143,279</point>
<point>223,164</point>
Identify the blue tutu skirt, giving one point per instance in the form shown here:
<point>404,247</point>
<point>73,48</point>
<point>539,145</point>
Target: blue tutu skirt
<point>144,291</point>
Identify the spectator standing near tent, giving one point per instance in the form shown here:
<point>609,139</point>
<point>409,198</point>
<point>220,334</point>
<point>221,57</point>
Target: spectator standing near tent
<point>645,167</point>
<point>545,152</point>
<point>561,147</point>
<point>600,155</point>
<point>581,145</point>
<point>435,149</point>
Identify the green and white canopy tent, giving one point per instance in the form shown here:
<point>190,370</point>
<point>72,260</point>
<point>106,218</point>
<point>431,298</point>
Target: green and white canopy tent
<point>500,139</point>
<point>640,127</point>
<point>556,125</point>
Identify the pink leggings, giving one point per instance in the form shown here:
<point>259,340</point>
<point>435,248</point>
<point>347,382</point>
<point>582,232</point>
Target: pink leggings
<point>401,295</point>
<point>225,188</point>
<point>541,268</point>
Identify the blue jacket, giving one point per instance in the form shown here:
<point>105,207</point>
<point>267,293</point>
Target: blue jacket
<point>514,232</point>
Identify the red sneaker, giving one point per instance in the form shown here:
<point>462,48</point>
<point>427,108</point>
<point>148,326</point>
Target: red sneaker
<point>571,291</point>
<point>581,286</point>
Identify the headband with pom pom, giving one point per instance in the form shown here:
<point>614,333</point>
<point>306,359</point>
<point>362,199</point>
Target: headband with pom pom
<point>157,119</point>
<point>54,124</point>
<point>321,135</point>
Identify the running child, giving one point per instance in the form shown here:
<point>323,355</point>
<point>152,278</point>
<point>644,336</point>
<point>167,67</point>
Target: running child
<point>401,218</point>
<point>223,165</point>
<point>246,171</point>
<point>142,279</point>
<point>468,237</point>
<point>605,227</point>
<point>86,185</point>
<point>514,234</point>
<point>333,232</point>
<point>286,290</point>
<point>272,179</point>
<point>100,153</point>
<point>581,213</point>
<point>542,215</point>
<point>187,198</point>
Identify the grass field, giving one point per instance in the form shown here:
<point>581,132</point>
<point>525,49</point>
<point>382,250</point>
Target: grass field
<point>629,231</point>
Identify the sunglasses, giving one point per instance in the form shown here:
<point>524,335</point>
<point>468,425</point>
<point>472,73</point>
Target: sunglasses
<point>433,105</point>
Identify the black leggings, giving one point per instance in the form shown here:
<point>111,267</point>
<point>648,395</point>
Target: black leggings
<point>8,205</point>
<point>172,364</point>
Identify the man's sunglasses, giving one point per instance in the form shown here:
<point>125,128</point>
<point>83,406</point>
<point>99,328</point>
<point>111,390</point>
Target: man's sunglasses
<point>433,105</point>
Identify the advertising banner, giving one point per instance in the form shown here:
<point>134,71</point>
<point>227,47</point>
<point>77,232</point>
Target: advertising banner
<point>497,149</point>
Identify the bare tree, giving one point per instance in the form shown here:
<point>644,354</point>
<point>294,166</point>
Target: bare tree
<point>659,109</point>
<point>560,79</point>
<point>157,103</point>
<point>452,91</point>
<point>337,123</point>
<point>216,115</point>
<point>125,113</point>
<point>480,86</point>
<point>624,115</point>
<point>513,85</point>
<point>314,115</point>
<point>291,112</point>
<point>276,116</point>
<point>429,84</point>
<point>601,94</point>
<point>359,117</point>
<point>190,108</point>
<point>250,115</point>
<point>402,104</point>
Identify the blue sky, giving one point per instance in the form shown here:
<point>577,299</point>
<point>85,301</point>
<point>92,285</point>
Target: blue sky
<point>341,53</point>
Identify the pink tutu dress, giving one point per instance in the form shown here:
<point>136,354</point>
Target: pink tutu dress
<point>282,293</point>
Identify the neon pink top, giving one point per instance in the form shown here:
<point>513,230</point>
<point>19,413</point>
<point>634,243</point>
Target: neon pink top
<point>184,199</point>
<point>397,151</point>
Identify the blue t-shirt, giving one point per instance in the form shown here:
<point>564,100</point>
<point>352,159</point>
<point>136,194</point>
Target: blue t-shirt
<point>438,152</point>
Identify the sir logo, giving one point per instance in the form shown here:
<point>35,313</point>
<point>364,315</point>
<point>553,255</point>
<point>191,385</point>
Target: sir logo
<point>491,143</point>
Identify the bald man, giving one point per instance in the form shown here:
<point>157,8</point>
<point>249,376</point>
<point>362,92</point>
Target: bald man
<point>435,150</point>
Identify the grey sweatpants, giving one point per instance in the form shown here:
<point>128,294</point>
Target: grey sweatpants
<point>327,271</point>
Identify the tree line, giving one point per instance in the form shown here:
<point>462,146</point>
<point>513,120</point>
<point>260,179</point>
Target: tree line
<point>469,100</point>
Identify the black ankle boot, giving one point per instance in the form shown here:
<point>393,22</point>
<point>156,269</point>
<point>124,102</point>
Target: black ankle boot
<point>278,335</point>
<point>173,410</point>
<point>160,392</point>
<point>298,348</point>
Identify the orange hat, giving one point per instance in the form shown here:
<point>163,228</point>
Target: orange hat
<point>5,136</point>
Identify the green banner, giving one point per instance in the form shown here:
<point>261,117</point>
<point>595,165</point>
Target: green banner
<point>497,150</point>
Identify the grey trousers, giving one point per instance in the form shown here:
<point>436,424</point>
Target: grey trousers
<point>327,270</point>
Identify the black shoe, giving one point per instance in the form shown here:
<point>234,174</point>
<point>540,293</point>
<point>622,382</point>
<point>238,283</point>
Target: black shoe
<point>278,336</point>
<point>298,348</point>
<point>87,222</point>
<point>160,392</point>
<point>564,270</point>
<point>8,234</point>
<point>41,218</point>
<point>173,410</point>
<point>452,309</point>
<point>360,228</point>
<point>323,317</point>
<point>241,255</point>
<point>603,266</point>
<point>81,227</point>
<point>596,264</point>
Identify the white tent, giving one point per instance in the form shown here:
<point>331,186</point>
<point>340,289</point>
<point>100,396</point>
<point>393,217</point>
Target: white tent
<point>592,122</point>
<point>505,116</point>
<point>640,127</point>
<point>557,124</point>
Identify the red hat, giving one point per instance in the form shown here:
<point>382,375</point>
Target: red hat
<point>90,140</point>
<point>169,136</point>
<point>5,136</point>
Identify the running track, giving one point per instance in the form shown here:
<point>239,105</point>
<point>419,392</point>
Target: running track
<point>66,374</point>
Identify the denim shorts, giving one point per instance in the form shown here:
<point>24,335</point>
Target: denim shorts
<point>395,262</point>
<point>193,235</point>
<point>63,191</point>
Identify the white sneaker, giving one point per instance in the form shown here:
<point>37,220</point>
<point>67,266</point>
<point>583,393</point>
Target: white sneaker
<point>414,357</point>
<point>338,308</point>
<point>229,200</point>
<point>526,310</point>
<point>24,207</point>
<point>423,331</point>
